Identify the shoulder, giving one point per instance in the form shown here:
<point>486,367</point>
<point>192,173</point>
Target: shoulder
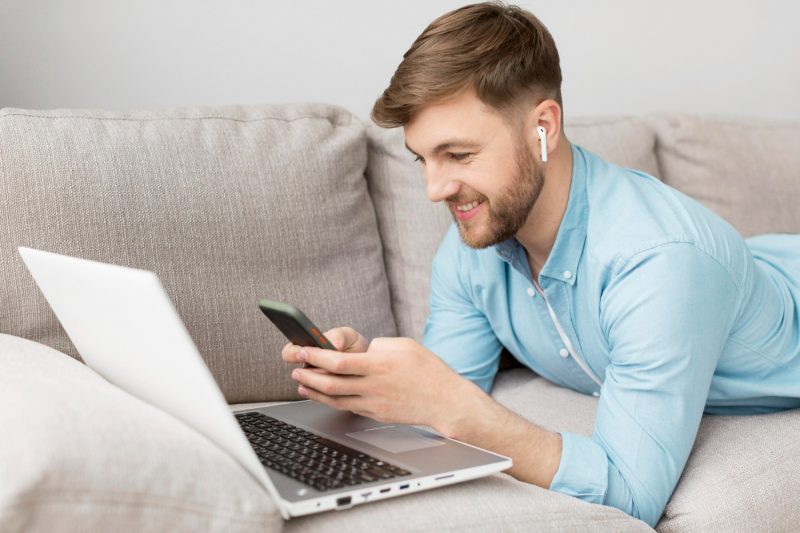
<point>632,213</point>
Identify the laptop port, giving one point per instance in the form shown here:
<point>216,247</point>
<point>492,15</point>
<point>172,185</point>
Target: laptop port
<point>343,501</point>
<point>404,486</point>
<point>387,489</point>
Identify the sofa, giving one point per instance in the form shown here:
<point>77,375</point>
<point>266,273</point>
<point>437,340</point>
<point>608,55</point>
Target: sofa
<point>308,204</point>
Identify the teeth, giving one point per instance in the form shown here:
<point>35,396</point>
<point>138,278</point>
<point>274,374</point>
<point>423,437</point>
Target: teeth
<point>467,207</point>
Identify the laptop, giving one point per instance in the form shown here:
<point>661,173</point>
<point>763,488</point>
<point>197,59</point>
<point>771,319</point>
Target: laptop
<point>309,457</point>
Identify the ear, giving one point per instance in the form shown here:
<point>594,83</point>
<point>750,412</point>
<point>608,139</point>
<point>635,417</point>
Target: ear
<point>547,115</point>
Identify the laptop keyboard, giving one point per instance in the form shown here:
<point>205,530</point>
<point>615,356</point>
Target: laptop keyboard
<point>310,459</point>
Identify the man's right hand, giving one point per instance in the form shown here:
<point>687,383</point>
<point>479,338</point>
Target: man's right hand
<point>345,339</point>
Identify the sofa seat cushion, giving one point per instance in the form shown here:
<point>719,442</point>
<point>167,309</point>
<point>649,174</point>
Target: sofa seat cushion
<point>78,454</point>
<point>228,205</point>
<point>412,227</point>
<point>742,474</point>
<point>746,171</point>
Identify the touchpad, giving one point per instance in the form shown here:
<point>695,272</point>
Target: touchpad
<point>397,439</point>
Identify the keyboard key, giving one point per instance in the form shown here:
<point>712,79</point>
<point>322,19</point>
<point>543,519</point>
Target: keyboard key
<point>310,459</point>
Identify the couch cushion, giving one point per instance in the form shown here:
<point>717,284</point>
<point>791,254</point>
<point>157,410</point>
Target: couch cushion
<point>742,473</point>
<point>227,205</point>
<point>748,172</point>
<point>625,141</point>
<point>79,454</point>
<point>412,228</point>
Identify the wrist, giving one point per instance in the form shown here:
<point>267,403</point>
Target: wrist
<point>467,404</point>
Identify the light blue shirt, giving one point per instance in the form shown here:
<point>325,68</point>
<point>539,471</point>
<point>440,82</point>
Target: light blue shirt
<point>668,306</point>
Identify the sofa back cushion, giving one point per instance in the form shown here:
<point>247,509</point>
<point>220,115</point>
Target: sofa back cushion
<point>412,227</point>
<point>227,205</point>
<point>748,172</point>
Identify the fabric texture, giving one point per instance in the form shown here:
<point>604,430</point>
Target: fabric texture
<point>79,454</point>
<point>660,308</point>
<point>412,227</point>
<point>227,205</point>
<point>741,476</point>
<point>748,172</point>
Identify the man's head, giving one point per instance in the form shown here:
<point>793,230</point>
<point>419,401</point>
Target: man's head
<point>469,93</point>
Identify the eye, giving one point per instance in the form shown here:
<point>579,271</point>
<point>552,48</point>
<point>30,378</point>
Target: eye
<point>460,156</point>
<point>420,159</point>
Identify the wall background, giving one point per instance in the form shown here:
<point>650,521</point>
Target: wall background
<point>732,58</point>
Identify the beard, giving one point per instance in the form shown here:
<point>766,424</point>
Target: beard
<point>508,213</point>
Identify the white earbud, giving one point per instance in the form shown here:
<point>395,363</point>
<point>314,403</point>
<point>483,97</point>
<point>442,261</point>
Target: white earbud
<point>543,141</point>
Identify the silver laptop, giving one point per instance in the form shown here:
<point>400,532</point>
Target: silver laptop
<point>309,457</point>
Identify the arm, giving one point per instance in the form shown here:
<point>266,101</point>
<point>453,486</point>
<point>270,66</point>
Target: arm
<point>405,382</point>
<point>667,313</point>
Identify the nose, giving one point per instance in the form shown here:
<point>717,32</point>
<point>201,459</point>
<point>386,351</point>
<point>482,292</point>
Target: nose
<point>440,186</point>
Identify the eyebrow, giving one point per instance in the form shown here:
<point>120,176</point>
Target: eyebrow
<point>446,145</point>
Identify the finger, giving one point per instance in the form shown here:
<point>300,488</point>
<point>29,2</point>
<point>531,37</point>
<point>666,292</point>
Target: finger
<point>344,403</point>
<point>356,364</point>
<point>289,353</point>
<point>326,383</point>
<point>344,338</point>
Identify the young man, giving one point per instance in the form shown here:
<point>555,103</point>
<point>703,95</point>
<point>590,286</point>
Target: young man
<point>598,278</point>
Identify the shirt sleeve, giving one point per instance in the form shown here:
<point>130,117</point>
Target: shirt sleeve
<point>456,330</point>
<point>667,314</point>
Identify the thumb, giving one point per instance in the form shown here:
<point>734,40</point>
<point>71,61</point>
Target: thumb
<point>344,338</point>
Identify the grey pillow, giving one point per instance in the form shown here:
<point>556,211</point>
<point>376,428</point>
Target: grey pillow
<point>79,454</point>
<point>747,171</point>
<point>625,141</point>
<point>227,205</point>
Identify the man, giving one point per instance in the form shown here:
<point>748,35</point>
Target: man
<point>598,278</point>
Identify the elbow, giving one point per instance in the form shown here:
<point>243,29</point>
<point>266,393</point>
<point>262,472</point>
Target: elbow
<point>633,499</point>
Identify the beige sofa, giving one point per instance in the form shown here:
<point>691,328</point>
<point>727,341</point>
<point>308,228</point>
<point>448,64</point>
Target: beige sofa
<point>307,204</point>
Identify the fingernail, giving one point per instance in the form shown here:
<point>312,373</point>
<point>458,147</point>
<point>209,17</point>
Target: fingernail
<point>302,354</point>
<point>302,391</point>
<point>295,374</point>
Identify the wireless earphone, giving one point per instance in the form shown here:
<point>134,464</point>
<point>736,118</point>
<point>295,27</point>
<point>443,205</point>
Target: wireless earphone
<point>543,141</point>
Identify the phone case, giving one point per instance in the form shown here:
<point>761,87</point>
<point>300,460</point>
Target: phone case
<point>294,324</point>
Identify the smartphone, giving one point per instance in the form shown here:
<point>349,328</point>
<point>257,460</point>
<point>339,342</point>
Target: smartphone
<point>294,324</point>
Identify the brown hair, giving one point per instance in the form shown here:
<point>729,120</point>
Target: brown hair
<point>504,52</point>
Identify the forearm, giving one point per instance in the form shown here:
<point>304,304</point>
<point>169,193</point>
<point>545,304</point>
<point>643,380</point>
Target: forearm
<point>477,419</point>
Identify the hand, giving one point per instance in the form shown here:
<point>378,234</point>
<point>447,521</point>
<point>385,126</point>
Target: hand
<point>345,339</point>
<point>395,380</point>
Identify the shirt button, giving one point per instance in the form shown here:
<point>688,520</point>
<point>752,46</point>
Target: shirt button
<point>596,394</point>
<point>531,292</point>
<point>563,352</point>
<point>567,274</point>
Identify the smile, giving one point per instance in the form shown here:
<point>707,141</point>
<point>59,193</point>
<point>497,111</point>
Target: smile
<point>467,211</point>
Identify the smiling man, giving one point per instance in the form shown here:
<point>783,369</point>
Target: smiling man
<point>598,278</point>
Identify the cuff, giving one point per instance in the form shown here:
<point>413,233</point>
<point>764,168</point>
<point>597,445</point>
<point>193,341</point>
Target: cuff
<point>583,471</point>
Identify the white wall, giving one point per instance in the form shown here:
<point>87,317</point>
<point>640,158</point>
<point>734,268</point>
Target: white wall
<point>736,58</point>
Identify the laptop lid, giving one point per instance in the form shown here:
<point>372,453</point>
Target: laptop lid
<point>125,328</point>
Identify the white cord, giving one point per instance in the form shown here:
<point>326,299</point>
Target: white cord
<point>567,343</point>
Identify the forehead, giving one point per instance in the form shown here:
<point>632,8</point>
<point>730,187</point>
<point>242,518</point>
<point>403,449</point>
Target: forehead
<point>463,116</point>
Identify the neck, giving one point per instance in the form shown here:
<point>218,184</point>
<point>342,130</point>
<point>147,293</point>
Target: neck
<point>538,234</point>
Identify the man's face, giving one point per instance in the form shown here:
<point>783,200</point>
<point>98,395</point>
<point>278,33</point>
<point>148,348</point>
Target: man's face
<point>470,154</point>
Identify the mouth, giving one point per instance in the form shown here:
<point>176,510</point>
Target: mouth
<point>468,210</point>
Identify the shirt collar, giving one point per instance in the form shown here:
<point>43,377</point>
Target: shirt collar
<point>562,264</point>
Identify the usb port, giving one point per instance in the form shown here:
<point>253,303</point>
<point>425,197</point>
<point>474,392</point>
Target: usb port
<point>404,486</point>
<point>343,501</point>
<point>387,489</point>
